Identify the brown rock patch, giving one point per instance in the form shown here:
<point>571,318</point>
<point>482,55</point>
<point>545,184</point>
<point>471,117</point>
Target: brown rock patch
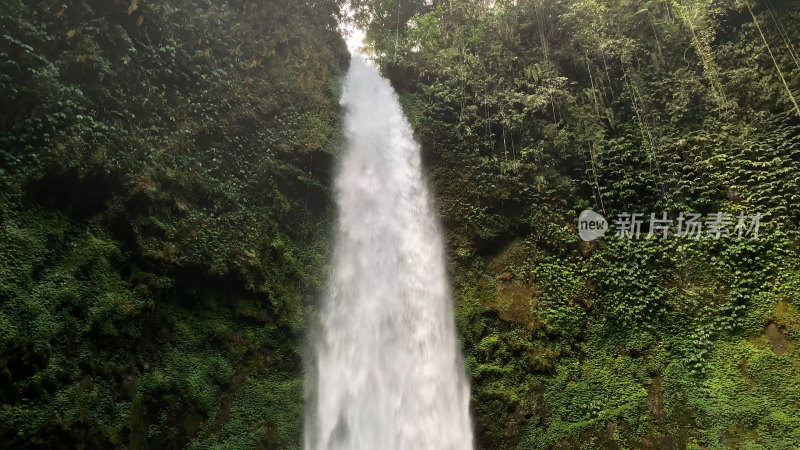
<point>777,339</point>
<point>516,304</point>
<point>655,399</point>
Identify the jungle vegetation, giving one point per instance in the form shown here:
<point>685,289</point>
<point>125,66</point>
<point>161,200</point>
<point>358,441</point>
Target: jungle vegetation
<point>165,171</point>
<point>530,112</point>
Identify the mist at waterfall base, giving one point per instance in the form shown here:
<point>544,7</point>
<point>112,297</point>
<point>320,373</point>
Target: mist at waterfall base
<point>385,371</point>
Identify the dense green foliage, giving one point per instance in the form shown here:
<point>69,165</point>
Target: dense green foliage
<point>531,111</point>
<point>164,172</point>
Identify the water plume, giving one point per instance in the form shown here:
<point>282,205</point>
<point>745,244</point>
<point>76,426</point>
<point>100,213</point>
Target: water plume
<point>387,370</point>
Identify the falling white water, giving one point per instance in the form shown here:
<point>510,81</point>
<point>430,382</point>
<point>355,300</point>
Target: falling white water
<point>387,371</point>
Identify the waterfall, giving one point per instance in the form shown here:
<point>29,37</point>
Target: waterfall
<point>387,370</point>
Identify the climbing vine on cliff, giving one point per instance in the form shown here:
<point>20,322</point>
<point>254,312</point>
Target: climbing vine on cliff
<point>530,112</point>
<point>164,169</point>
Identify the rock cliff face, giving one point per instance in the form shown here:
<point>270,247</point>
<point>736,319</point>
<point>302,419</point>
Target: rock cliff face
<point>164,214</point>
<point>530,112</point>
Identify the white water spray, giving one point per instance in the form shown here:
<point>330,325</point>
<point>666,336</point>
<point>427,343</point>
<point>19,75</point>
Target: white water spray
<point>387,371</point>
